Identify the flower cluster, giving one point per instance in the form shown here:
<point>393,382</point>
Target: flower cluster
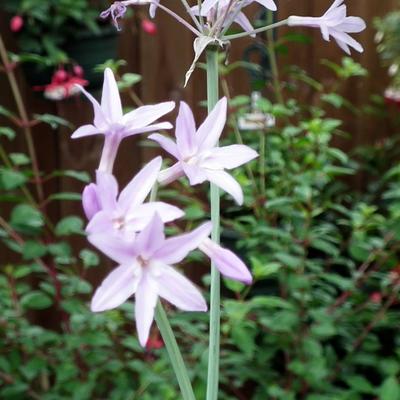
<point>213,18</point>
<point>130,230</point>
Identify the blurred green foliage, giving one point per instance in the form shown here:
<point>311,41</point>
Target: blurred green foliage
<point>51,24</point>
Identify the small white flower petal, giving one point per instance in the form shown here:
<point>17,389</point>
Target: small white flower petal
<point>179,291</point>
<point>85,130</point>
<point>210,130</point>
<point>228,263</point>
<point>140,186</point>
<point>228,157</point>
<point>166,143</point>
<point>175,249</point>
<point>145,302</point>
<point>116,288</point>
<point>185,131</point>
<point>225,181</point>
<point>110,99</point>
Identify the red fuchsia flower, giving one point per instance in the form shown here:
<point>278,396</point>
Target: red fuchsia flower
<point>149,27</point>
<point>16,23</point>
<point>392,96</point>
<point>62,85</point>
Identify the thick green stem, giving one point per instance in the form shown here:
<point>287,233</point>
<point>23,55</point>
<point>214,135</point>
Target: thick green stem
<point>168,336</point>
<point>174,353</point>
<point>213,352</point>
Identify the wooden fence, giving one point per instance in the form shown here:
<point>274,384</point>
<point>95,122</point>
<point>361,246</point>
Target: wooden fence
<point>163,59</point>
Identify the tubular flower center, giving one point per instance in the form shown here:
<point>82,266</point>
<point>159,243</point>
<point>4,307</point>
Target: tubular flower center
<point>119,223</point>
<point>143,262</point>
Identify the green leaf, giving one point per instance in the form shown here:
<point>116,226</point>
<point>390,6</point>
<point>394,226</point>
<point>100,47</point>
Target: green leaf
<point>69,226</point>
<point>78,175</point>
<point>10,179</point>
<point>36,300</point>
<point>360,384</point>
<point>66,196</point>
<point>19,159</point>
<point>128,80</point>
<point>26,219</point>
<point>89,258</point>
<point>390,389</point>
<point>7,132</point>
<point>262,269</point>
<point>53,120</point>
<point>32,249</point>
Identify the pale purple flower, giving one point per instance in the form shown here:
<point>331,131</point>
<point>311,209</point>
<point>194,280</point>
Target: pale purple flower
<point>335,23</point>
<point>208,5</point>
<point>145,270</point>
<point>116,10</point>
<point>227,262</point>
<point>197,153</point>
<point>124,214</point>
<point>110,121</point>
<point>225,12</point>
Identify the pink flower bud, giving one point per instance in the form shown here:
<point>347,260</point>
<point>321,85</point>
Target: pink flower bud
<point>376,298</point>
<point>78,71</point>
<point>149,27</point>
<point>16,23</point>
<point>60,75</point>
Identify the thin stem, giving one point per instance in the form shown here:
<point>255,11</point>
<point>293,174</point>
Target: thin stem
<point>189,11</point>
<point>174,354</point>
<point>179,19</point>
<point>23,116</point>
<point>215,301</point>
<point>255,31</point>
<point>262,163</point>
<point>168,336</point>
<point>273,61</point>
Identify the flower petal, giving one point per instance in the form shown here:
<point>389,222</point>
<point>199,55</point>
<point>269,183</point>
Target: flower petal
<point>179,291</point>
<point>151,238</point>
<point>228,263</point>
<point>142,215</point>
<point>224,181</point>
<point>100,120</point>
<point>166,143</point>
<point>139,187</point>
<point>244,22</point>
<point>207,6</point>
<point>146,115</point>
<point>185,131</point>
<point>176,248</point>
<point>270,4</point>
<point>116,288</point>
<point>195,174</point>
<point>229,157</point>
<point>210,130</point>
<point>107,190</point>
<point>145,303</point>
<point>108,242</point>
<point>90,201</point>
<point>110,99</point>
<point>85,130</point>
<point>147,129</point>
<point>171,174</point>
